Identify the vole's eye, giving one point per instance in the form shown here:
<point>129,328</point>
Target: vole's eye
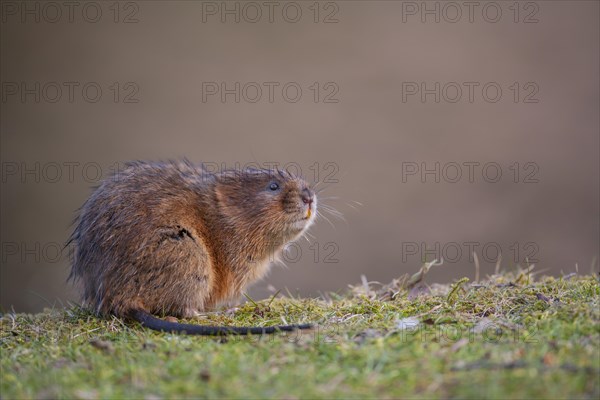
<point>274,186</point>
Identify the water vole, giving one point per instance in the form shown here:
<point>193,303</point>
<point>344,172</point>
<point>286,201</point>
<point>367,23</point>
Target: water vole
<point>169,238</point>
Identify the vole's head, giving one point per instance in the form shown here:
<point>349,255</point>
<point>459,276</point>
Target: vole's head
<point>269,203</point>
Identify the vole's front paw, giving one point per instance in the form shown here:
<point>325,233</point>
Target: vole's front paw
<point>230,312</point>
<point>191,313</point>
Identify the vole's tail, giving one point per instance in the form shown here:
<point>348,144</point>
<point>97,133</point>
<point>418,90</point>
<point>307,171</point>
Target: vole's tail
<point>150,321</point>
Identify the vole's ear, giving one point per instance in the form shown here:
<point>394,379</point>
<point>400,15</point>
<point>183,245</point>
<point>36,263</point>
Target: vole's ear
<point>226,194</point>
<point>228,200</point>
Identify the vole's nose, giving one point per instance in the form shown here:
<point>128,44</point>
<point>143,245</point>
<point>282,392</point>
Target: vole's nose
<point>307,196</point>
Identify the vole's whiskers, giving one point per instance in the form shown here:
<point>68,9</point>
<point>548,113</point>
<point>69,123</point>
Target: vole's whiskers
<point>322,188</point>
<point>329,198</point>
<point>318,189</point>
<point>308,235</point>
<point>356,203</point>
<point>333,211</point>
<point>319,213</point>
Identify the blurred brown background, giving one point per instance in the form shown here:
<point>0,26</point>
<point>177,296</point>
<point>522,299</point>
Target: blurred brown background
<point>359,65</point>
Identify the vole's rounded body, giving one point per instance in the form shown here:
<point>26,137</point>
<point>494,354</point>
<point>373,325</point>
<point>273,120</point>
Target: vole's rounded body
<point>172,239</point>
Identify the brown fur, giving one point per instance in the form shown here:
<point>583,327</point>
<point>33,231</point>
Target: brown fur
<point>169,238</point>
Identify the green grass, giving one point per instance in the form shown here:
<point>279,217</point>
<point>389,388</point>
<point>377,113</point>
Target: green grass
<point>505,337</point>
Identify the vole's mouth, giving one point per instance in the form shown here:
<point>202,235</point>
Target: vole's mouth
<point>304,217</point>
<point>311,209</point>
<point>308,213</point>
<point>304,221</point>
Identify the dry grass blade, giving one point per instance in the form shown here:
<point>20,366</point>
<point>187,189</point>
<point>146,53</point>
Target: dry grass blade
<point>418,277</point>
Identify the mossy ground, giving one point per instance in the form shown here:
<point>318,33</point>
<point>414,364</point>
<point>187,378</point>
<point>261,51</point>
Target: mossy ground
<point>506,337</point>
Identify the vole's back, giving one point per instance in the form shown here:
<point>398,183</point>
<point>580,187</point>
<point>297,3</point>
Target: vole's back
<point>137,232</point>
